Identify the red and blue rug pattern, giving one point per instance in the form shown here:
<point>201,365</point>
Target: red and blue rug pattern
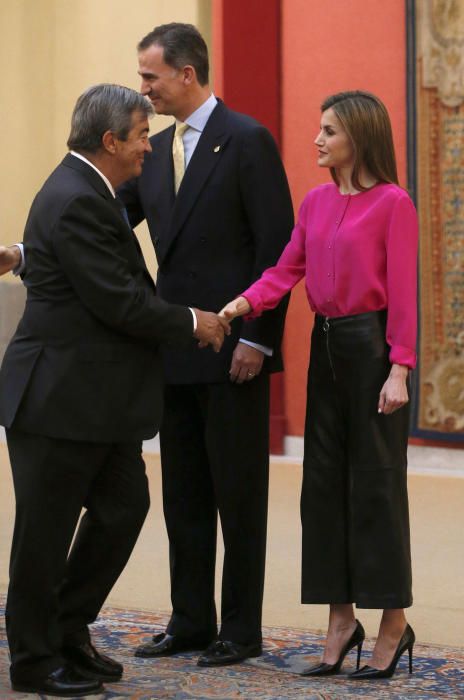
<point>438,671</point>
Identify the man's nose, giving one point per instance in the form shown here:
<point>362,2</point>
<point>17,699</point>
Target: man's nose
<point>148,147</point>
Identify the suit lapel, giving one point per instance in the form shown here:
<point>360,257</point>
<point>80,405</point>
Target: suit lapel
<point>204,160</point>
<point>119,206</point>
<point>160,177</point>
<point>99,185</point>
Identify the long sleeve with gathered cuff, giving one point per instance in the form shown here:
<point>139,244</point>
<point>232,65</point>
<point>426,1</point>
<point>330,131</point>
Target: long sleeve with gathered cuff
<point>358,253</point>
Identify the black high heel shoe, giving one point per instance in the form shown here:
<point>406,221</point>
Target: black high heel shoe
<point>323,669</point>
<point>406,643</point>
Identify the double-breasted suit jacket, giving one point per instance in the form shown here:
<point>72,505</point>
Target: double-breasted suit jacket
<point>230,220</point>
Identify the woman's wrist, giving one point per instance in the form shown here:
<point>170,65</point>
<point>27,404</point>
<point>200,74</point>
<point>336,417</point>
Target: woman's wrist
<point>400,371</point>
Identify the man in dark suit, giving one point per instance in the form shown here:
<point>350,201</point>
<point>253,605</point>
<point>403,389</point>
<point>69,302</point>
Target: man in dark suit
<point>80,388</point>
<point>230,219</point>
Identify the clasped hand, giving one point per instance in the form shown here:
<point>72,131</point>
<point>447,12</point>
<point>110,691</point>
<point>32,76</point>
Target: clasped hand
<point>237,307</point>
<point>247,361</point>
<point>211,329</point>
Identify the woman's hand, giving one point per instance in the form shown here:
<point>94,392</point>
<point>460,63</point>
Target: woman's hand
<point>237,307</point>
<point>394,392</point>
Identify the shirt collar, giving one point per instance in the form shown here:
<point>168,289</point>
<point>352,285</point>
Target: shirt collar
<point>103,177</point>
<point>197,120</point>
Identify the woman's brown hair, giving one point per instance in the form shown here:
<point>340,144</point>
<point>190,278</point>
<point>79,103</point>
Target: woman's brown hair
<point>366,121</point>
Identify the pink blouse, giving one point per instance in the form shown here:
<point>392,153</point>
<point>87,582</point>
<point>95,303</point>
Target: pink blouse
<point>358,253</point>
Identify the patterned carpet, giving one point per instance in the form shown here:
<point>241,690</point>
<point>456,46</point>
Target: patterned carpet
<point>438,671</point>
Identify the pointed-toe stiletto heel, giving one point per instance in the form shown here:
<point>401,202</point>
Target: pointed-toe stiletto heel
<point>323,669</point>
<point>406,643</point>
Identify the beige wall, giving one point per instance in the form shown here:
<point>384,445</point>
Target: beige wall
<point>50,51</point>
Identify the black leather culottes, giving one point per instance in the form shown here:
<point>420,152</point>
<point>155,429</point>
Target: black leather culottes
<point>354,502</point>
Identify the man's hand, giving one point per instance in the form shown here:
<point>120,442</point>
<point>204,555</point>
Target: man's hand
<point>237,307</point>
<point>210,329</point>
<point>9,258</point>
<point>394,393</point>
<point>246,363</point>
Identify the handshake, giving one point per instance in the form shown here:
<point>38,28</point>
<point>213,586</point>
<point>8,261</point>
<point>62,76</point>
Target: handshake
<point>211,328</point>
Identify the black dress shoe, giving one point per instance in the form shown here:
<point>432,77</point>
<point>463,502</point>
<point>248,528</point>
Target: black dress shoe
<point>323,669</point>
<point>65,681</point>
<point>406,643</point>
<point>169,644</point>
<point>86,659</point>
<point>223,653</point>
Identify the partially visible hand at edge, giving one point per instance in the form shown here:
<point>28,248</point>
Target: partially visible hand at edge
<point>10,258</point>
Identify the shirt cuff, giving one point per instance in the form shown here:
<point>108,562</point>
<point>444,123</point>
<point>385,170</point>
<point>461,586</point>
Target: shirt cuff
<point>262,348</point>
<point>22,265</point>
<point>194,319</point>
<point>401,355</point>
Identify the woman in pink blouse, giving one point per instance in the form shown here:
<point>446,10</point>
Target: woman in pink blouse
<point>355,243</point>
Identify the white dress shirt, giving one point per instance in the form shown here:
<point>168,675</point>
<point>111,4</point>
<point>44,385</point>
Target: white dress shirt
<point>197,122</point>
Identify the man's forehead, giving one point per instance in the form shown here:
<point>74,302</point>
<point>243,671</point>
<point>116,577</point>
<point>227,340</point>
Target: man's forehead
<point>151,58</point>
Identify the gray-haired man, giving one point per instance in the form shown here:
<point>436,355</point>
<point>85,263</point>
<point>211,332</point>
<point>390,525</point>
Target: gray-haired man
<point>80,388</point>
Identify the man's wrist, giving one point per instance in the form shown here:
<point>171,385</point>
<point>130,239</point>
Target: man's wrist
<point>257,346</point>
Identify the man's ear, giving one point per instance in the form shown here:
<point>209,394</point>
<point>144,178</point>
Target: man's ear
<point>109,142</point>
<point>190,74</point>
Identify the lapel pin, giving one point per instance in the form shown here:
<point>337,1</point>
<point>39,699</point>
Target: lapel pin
<point>216,149</point>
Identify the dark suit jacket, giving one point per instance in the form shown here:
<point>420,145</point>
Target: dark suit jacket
<point>84,363</point>
<point>230,221</point>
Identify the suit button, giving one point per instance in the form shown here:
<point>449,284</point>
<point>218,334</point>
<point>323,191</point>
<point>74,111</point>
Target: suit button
<point>156,240</point>
<point>202,239</point>
<point>192,274</point>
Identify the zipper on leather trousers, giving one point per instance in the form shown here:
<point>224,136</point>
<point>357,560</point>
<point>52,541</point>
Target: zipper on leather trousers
<point>326,328</point>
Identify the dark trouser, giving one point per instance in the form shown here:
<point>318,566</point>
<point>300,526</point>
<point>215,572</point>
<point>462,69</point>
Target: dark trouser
<point>52,597</point>
<point>214,455</point>
<point>354,502</point>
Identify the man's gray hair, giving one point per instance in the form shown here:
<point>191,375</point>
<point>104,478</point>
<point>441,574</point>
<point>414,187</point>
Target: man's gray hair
<point>102,108</point>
